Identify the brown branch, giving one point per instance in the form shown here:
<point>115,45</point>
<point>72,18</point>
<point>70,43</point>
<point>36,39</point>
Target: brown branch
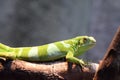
<point>22,70</point>
<point>109,68</point>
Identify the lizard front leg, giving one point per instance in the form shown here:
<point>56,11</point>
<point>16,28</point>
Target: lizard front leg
<point>70,58</point>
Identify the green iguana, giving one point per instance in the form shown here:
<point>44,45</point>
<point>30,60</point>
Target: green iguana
<point>69,49</point>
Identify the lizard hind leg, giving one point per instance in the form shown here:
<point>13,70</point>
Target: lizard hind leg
<point>8,55</point>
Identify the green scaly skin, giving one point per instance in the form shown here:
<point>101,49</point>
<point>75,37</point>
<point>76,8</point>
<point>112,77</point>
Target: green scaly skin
<point>69,49</point>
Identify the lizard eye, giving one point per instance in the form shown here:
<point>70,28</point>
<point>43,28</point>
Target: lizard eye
<point>82,41</point>
<point>85,40</point>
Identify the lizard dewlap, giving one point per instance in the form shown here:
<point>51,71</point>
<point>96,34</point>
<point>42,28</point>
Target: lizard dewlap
<point>67,48</point>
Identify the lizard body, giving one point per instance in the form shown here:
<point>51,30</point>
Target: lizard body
<point>67,48</point>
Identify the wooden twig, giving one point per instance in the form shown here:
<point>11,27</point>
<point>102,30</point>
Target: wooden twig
<point>109,68</point>
<point>22,70</point>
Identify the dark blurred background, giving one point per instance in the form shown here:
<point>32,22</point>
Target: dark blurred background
<point>37,22</point>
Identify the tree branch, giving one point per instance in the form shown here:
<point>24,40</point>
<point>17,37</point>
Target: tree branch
<point>109,68</point>
<point>22,70</point>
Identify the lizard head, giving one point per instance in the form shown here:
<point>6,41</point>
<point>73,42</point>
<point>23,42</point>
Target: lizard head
<point>84,43</point>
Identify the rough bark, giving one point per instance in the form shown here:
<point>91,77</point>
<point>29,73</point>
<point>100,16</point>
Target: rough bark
<point>109,68</point>
<point>22,70</point>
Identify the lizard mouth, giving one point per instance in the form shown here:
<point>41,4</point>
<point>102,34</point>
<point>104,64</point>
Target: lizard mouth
<point>84,45</point>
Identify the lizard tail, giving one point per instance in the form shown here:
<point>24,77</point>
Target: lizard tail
<point>6,52</point>
<point>4,48</point>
